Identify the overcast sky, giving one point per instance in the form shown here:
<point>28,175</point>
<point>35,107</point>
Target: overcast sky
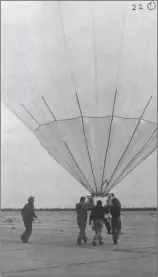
<point>27,169</point>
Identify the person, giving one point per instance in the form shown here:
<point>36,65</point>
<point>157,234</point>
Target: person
<point>107,219</point>
<point>28,215</point>
<point>97,216</point>
<point>115,211</point>
<point>81,209</point>
<point>109,200</point>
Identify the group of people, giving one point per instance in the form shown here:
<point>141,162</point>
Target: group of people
<point>108,215</point>
<point>99,215</point>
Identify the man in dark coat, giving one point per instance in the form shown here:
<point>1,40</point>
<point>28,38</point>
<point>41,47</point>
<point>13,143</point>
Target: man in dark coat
<point>81,209</point>
<point>97,216</point>
<point>115,211</point>
<point>28,215</point>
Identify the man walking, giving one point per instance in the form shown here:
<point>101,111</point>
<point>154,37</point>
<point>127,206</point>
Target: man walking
<point>115,211</point>
<point>97,216</point>
<point>28,214</point>
<point>107,219</point>
<point>81,209</point>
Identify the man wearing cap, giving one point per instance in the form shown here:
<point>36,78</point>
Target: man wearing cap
<point>28,215</point>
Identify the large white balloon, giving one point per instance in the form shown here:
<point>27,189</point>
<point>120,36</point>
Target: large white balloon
<point>82,77</point>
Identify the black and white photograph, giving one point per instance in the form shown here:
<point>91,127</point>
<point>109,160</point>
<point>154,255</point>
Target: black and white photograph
<point>78,139</point>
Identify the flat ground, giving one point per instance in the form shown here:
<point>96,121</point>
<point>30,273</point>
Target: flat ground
<point>52,250</point>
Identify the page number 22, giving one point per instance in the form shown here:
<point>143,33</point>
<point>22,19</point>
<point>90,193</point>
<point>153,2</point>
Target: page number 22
<point>135,7</point>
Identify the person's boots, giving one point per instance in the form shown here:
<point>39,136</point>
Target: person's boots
<point>23,239</point>
<point>108,229</point>
<point>101,242</point>
<point>85,239</point>
<point>115,241</point>
<point>94,243</point>
<point>79,241</point>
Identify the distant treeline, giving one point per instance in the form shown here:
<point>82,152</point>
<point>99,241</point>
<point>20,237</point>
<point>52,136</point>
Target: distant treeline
<point>71,209</point>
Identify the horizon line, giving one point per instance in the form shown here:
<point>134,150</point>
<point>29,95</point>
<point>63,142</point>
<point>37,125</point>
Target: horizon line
<point>73,209</point>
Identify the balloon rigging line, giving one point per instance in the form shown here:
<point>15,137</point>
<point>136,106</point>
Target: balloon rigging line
<point>25,123</point>
<point>135,130</point>
<point>80,180</point>
<point>123,177</point>
<point>134,158</point>
<point>77,179</point>
<point>139,79</point>
<point>34,83</point>
<point>58,160</point>
<point>29,74</point>
<point>133,168</point>
<point>107,148</point>
<point>86,142</point>
<point>59,95</point>
<point>48,107</point>
<point>66,48</point>
<point>120,56</point>
<point>76,164</point>
<point>95,58</point>
<point>30,114</point>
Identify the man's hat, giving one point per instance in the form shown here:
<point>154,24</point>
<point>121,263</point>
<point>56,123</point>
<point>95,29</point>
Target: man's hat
<point>99,202</point>
<point>31,198</point>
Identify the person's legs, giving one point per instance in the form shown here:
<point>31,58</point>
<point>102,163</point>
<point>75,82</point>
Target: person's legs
<point>24,234</point>
<point>27,233</point>
<point>114,229</point>
<point>107,225</point>
<point>118,227</point>
<point>82,232</point>
<point>94,241</point>
<point>98,228</point>
<point>99,237</point>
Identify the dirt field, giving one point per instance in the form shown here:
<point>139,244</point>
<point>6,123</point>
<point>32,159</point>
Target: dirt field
<point>52,250</point>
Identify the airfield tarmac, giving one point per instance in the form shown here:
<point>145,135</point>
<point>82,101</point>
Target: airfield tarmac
<point>52,249</point>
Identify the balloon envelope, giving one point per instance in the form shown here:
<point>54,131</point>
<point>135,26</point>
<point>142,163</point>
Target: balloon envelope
<point>82,77</point>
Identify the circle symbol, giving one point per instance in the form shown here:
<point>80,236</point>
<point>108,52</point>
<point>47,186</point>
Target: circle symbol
<point>151,5</point>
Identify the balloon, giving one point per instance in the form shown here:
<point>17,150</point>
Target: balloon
<point>82,77</point>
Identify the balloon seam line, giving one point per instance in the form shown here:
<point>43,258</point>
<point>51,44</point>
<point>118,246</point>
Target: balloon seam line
<point>102,117</point>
